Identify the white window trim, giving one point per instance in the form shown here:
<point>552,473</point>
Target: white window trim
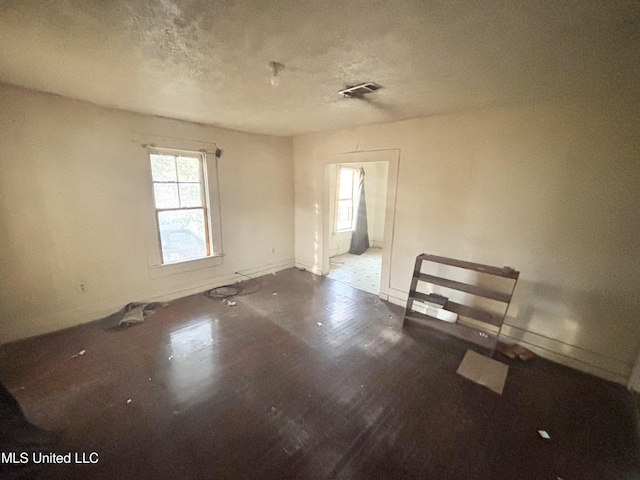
<point>212,198</point>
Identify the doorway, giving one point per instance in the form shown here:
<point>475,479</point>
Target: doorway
<point>362,270</point>
<point>369,271</point>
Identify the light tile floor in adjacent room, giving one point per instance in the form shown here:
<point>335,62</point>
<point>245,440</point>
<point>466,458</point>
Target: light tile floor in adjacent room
<point>359,271</point>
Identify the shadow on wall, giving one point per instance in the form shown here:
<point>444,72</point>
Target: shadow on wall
<point>577,318</point>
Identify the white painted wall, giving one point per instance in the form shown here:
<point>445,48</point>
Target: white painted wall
<point>377,201</point>
<point>75,201</point>
<point>551,189</point>
<point>375,183</point>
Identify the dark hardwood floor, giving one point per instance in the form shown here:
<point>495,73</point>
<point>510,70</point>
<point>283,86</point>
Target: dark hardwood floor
<point>261,390</point>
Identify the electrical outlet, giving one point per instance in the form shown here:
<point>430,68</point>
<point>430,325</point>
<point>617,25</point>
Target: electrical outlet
<point>82,287</point>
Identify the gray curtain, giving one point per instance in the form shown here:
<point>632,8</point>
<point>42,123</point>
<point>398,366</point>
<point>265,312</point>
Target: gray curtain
<point>360,237</point>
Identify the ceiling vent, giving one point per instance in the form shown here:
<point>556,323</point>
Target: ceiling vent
<point>359,90</point>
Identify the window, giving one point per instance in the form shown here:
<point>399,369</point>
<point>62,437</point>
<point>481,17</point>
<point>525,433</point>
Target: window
<point>181,205</point>
<point>345,218</point>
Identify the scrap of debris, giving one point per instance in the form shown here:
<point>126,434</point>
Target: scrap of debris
<point>132,313</point>
<point>484,371</point>
<point>544,434</point>
<point>229,303</point>
<point>319,324</point>
<point>512,351</point>
<point>79,354</point>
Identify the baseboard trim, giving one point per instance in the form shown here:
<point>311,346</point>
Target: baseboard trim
<point>308,268</point>
<point>569,355</point>
<point>398,297</point>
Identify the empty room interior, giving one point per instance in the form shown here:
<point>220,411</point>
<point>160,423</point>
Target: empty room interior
<point>320,240</point>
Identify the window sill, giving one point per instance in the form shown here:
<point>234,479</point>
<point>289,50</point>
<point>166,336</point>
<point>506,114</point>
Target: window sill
<point>156,271</point>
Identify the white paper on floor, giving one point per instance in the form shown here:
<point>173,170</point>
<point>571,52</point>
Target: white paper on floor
<point>483,371</point>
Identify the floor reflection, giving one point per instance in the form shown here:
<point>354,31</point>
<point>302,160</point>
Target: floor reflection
<point>193,367</point>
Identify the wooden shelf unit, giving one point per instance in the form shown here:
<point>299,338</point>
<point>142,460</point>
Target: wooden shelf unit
<point>485,338</point>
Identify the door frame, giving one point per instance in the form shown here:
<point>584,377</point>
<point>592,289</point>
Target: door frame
<point>392,157</point>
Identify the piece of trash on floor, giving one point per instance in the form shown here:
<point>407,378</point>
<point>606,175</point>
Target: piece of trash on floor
<point>274,293</point>
<point>229,303</point>
<point>171,357</point>
<point>319,324</point>
<point>129,401</point>
<point>512,351</point>
<point>149,378</point>
<point>79,354</point>
<point>526,354</point>
<point>138,312</point>
<point>135,315</point>
<point>135,312</point>
<point>483,371</point>
<point>544,434</point>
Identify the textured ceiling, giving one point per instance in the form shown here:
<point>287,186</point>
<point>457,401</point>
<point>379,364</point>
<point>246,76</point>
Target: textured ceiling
<point>206,61</point>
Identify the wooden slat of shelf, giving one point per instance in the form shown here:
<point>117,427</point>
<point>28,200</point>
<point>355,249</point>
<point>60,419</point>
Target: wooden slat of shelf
<point>478,267</point>
<point>463,287</point>
<point>460,331</point>
<point>466,311</point>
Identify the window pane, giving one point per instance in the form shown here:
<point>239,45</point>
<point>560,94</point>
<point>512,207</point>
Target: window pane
<point>163,168</point>
<point>182,235</point>
<point>166,195</point>
<point>190,195</point>
<point>346,183</point>
<point>345,215</point>
<point>188,169</point>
